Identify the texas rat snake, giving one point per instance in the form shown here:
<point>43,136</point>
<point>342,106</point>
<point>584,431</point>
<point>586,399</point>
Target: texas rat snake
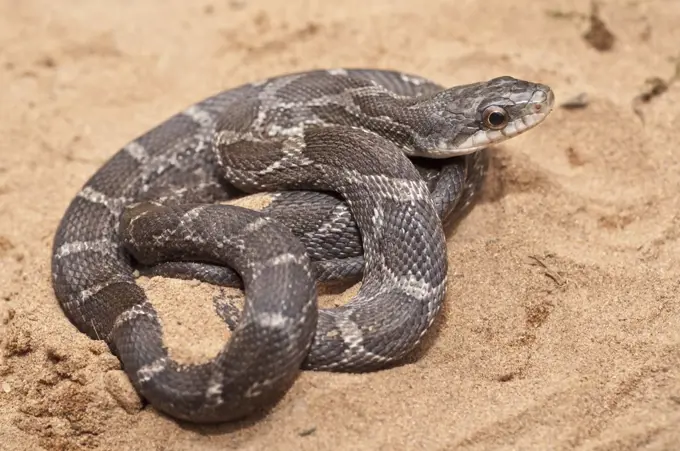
<point>335,148</point>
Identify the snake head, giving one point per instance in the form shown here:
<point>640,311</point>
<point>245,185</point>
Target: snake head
<point>466,118</point>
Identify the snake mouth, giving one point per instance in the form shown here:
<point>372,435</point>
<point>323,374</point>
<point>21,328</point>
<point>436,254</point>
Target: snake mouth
<point>536,110</point>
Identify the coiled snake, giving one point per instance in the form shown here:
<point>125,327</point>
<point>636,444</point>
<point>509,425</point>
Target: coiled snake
<point>336,150</point>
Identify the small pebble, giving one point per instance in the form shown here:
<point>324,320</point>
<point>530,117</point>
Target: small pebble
<point>579,101</point>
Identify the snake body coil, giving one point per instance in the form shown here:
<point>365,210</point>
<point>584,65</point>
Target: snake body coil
<point>336,150</point>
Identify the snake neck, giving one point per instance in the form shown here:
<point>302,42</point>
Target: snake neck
<point>403,120</point>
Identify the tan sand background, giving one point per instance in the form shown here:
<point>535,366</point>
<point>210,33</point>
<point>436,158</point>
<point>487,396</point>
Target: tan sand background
<point>562,325</point>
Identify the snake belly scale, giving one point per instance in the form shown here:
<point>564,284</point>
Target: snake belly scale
<point>337,148</point>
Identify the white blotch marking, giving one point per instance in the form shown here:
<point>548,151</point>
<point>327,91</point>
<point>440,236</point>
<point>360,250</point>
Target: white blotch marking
<point>337,71</point>
<point>136,151</point>
<point>113,204</point>
<point>291,150</point>
<point>378,218</point>
<point>199,115</point>
<point>352,337</point>
<point>256,225</point>
<point>256,389</point>
<point>281,259</point>
<point>75,247</point>
<point>339,213</point>
<point>228,137</point>
<point>296,130</point>
<point>273,320</point>
<point>192,214</point>
<point>237,243</point>
<point>87,293</point>
<point>130,314</point>
<point>214,392</point>
<point>422,291</point>
<point>259,121</point>
<point>412,79</point>
<point>351,333</point>
<point>418,289</point>
<point>147,372</point>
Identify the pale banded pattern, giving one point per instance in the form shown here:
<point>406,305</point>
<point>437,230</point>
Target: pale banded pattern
<point>93,290</point>
<point>292,156</point>
<point>277,260</point>
<point>113,204</point>
<point>147,372</point>
<point>131,314</point>
<point>353,339</point>
<point>74,247</point>
<point>272,320</point>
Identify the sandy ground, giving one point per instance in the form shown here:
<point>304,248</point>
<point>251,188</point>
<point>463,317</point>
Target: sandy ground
<point>562,324</point>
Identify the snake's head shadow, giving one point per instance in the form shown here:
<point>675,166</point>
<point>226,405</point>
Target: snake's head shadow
<point>466,118</point>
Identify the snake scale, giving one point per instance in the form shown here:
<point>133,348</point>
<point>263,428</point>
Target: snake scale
<point>360,168</point>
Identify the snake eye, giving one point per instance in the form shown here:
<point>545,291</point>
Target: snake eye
<point>495,117</point>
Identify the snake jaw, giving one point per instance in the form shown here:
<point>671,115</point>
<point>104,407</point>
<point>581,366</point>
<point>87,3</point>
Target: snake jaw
<point>476,116</point>
<point>533,112</point>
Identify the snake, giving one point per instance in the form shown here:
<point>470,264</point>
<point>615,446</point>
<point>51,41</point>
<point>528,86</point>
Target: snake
<point>360,170</point>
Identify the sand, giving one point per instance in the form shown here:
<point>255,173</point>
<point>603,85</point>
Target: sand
<point>561,328</point>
